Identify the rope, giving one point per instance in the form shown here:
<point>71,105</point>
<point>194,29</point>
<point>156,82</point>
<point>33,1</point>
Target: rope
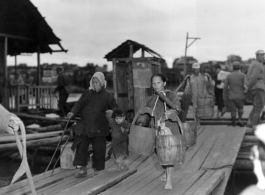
<point>24,167</point>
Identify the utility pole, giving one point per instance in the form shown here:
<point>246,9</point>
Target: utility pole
<point>186,48</point>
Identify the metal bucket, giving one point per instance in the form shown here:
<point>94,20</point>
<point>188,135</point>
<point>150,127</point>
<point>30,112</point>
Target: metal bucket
<point>141,139</point>
<point>67,156</point>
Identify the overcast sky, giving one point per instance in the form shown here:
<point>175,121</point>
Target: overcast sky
<point>89,29</point>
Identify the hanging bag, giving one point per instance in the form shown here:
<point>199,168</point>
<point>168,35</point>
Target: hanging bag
<point>141,139</point>
<point>205,104</point>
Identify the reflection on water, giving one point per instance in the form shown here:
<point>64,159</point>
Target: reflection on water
<point>74,97</point>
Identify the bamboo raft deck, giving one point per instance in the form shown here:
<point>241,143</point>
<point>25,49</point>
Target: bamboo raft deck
<point>206,170</point>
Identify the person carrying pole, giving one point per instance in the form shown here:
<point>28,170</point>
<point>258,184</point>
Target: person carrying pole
<point>161,110</point>
<point>62,82</point>
<point>256,88</point>
<point>200,85</point>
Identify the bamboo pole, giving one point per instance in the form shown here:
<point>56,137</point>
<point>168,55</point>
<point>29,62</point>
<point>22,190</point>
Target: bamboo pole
<point>10,138</point>
<point>32,143</point>
<point>22,115</point>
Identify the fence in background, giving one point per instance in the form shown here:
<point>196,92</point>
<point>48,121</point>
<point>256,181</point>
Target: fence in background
<point>31,97</point>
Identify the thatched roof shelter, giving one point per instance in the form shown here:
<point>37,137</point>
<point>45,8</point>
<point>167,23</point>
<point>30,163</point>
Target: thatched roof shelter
<point>123,50</point>
<point>22,30</point>
<point>25,28</point>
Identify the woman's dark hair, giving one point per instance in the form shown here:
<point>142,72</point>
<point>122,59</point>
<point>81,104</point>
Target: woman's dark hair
<point>163,78</point>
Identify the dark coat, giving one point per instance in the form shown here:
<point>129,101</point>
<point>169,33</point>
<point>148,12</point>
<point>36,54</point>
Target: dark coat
<point>62,82</point>
<point>92,107</point>
<point>158,111</point>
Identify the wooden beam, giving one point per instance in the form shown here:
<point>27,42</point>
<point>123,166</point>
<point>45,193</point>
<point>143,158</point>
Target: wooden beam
<point>142,53</point>
<point>38,65</point>
<point>114,75</point>
<point>33,143</point>
<point>131,51</point>
<point>3,72</point>
<point>15,37</point>
<point>11,138</point>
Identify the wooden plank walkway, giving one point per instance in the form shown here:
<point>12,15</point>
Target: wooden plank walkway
<point>206,170</point>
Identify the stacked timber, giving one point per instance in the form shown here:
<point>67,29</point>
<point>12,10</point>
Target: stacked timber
<point>37,138</point>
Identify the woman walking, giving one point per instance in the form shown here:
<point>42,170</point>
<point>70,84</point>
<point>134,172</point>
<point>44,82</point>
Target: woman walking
<point>160,110</point>
<point>93,126</point>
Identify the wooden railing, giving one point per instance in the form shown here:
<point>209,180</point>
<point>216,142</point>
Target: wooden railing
<point>30,97</point>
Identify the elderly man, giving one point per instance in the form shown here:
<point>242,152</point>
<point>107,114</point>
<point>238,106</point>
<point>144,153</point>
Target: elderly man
<point>63,94</point>
<point>234,93</point>
<point>200,85</point>
<point>256,88</point>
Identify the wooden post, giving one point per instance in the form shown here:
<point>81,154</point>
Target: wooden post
<point>3,72</point>
<point>38,66</point>
<point>114,79</point>
<point>142,53</point>
<point>15,63</point>
<point>185,57</point>
<point>131,51</point>
<point>38,77</point>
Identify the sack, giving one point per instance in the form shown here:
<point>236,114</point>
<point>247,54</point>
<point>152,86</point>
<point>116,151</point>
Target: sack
<point>210,86</point>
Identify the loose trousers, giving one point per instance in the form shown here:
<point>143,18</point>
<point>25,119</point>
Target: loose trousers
<point>257,98</point>
<point>99,151</point>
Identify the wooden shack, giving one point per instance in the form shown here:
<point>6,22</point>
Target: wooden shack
<point>131,75</point>
<point>23,30</point>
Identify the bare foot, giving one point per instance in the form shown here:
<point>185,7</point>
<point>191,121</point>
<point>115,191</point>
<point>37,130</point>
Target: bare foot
<point>168,186</point>
<point>164,177</point>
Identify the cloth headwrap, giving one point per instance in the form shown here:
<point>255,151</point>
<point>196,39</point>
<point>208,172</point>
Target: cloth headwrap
<point>101,79</point>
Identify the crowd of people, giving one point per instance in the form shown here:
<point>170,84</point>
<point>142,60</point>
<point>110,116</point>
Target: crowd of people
<point>232,90</point>
<point>100,115</point>
<point>18,80</point>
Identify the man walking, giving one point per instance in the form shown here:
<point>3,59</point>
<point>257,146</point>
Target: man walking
<point>63,94</point>
<point>234,93</point>
<point>256,88</point>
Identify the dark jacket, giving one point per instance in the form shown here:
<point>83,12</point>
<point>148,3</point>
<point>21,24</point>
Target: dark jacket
<point>92,107</point>
<point>62,82</point>
<point>116,132</point>
<point>235,85</point>
<point>255,76</point>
